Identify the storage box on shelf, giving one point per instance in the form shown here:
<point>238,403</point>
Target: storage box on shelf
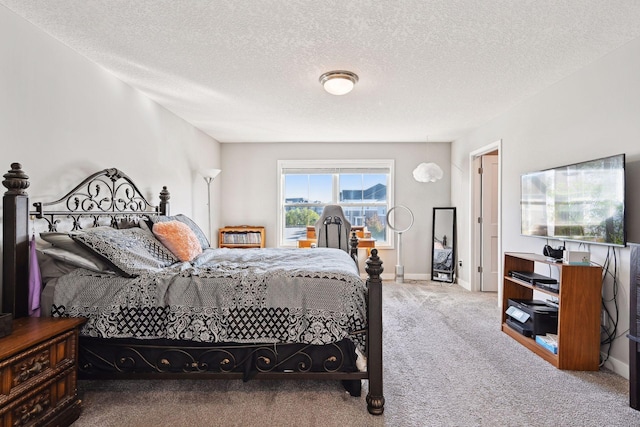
<point>579,307</point>
<point>241,236</point>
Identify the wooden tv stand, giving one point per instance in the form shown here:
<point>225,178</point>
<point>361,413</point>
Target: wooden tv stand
<point>579,308</point>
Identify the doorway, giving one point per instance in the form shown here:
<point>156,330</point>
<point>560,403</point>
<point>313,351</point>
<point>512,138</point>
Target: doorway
<point>485,173</point>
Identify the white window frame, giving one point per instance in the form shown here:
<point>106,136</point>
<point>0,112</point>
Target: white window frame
<point>337,164</point>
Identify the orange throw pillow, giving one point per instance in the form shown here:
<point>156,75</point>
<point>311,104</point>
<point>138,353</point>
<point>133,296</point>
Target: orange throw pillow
<point>178,238</point>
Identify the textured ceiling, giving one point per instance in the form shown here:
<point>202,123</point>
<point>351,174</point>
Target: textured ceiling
<point>247,71</point>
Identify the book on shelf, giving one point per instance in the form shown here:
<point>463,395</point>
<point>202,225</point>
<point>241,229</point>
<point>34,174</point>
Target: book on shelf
<point>242,238</point>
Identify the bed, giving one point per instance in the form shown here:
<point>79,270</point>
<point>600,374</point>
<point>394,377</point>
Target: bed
<point>160,303</point>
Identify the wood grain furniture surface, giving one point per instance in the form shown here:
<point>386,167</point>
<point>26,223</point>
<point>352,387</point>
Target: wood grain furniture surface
<point>579,306</point>
<point>241,237</point>
<point>38,372</point>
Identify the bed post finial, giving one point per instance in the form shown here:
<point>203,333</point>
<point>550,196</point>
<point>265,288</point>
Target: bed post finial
<point>15,243</point>
<point>374,267</point>
<point>16,181</point>
<point>164,201</point>
<point>375,397</point>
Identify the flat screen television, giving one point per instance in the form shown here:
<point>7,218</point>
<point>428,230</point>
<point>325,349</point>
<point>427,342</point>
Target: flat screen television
<point>582,202</point>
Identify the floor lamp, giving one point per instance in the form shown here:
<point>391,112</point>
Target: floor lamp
<point>398,230</point>
<point>209,175</point>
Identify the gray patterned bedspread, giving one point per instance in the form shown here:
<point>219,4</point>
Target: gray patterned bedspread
<point>313,296</point>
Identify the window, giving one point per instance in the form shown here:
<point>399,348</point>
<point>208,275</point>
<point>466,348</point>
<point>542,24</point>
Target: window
<point>362,187</point>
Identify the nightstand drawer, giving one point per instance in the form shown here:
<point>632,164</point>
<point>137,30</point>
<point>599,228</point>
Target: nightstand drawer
<point>38,373</point>
<point>44,403</point>
<point>36,364</point>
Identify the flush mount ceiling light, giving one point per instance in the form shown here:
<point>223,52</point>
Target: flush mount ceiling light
<point>338,82</point>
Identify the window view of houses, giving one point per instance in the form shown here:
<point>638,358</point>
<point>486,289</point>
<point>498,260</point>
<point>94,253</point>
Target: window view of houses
<point>363,198</point>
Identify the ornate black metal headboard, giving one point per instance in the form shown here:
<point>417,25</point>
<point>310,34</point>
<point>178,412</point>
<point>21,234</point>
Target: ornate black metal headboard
<point>108,195</point>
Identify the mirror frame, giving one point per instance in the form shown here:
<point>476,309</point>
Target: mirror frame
<point>441,275</point>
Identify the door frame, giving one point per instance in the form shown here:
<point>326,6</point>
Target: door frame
<point>474,230</point>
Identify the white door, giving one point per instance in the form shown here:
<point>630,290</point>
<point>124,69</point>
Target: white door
<point>490,259</point>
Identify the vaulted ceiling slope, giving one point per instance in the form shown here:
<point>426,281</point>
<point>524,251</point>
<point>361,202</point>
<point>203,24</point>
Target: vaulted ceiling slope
<point>247,71</point>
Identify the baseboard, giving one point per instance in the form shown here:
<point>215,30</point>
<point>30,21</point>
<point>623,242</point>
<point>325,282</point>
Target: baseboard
<point>464,284</point>
<point>619,367</point>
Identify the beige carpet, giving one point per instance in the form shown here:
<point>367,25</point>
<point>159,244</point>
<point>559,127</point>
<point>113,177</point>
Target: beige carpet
<point>446,363</point>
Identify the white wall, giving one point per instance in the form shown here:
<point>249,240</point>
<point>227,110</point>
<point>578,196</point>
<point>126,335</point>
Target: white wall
<point>591,114</point>
<point>249,183</point>
<point>63,118</point>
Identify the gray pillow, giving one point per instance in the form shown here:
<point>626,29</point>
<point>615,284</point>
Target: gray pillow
<point>132,251</point>
<point>68,250</point>
<point>90,262</point>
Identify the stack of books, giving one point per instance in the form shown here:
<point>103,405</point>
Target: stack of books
<point>548,341</point>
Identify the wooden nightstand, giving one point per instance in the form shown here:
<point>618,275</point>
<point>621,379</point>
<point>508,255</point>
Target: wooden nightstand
<point>38,373</point>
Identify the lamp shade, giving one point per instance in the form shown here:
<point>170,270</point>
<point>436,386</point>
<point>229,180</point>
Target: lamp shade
<point>427,172</point>
<point>338,82</point>
<point>210,173</point>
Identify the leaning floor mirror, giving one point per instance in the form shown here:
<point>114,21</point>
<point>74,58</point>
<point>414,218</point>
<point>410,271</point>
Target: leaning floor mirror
<point>443,249</point>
